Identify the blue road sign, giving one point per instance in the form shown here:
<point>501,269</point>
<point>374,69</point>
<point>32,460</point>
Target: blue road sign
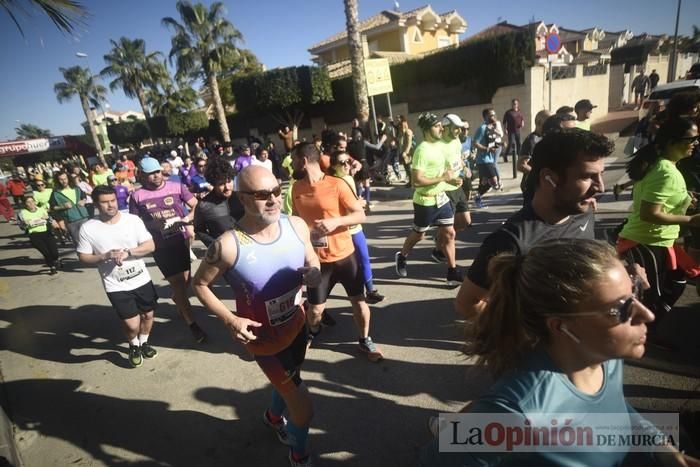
<point>553,43</point>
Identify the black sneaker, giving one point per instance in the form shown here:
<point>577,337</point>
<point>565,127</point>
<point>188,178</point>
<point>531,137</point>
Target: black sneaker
<point>311,335</point>
<point>370,349</point>
<point>52,270</point>
<point>454,278</point>
<point>197,333</point>
<point>438,256</point>
<point>147,351</point>
<point>373,296</point>
<point>135,356</point>
<point>327,319</point>
<point>400,264</point>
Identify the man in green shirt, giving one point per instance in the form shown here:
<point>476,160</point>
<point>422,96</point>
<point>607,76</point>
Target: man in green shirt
<point>100,175</point>
<point>584,109</point>
<point>432,177</point>
<point>68,204</point>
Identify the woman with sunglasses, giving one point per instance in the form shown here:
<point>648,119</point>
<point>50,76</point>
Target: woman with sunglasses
<point>35,221</point>
<point>560,321</point>
<point>341,167</point>
<point>659,209</point>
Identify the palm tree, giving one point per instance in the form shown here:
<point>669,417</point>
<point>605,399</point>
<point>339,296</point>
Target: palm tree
<point>203,41</point>
<point>65,14</point>
<point>133,70</point>
<point>79,82</point>
<point>172,99</point>
<point>30,131</point>
<point>357,61</point>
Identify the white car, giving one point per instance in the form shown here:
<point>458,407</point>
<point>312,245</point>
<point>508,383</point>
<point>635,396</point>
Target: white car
<point>664,92</point>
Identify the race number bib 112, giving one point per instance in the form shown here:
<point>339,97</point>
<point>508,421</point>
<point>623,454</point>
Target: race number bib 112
<point>281,309</point>
<point>128,270</point>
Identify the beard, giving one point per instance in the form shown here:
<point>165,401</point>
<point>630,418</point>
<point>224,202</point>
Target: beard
<point>299,174</point>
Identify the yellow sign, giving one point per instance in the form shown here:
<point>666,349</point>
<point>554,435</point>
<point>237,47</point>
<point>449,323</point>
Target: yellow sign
<point>378,76</point>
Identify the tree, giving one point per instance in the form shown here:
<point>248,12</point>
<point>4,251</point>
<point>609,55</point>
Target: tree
<point>65,14</point>
<point>130,132</point>
<point>133,70</point>
<point>79,82</point>
<point>357,61</point>
<point>30,131</point>
<point>244,64</point>
<point>200,44</point>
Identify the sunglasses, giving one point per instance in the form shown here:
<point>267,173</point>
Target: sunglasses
<point>40,184</point>
<point>623,310</point>
<point>264,195</point>
<point>689,139</point>
<point>345,162</point>
<point>201,166</point>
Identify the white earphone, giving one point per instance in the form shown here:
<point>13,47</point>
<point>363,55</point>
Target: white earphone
<point>566,331</point>
<point>549,179</point>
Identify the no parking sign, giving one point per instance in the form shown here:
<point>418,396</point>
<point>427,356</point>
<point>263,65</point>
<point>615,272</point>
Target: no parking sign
<point>553,43</point>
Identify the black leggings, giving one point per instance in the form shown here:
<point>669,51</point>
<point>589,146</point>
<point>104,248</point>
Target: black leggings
<point>46,244</point>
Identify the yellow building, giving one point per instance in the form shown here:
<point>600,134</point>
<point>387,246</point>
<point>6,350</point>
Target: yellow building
<point>394,35</point>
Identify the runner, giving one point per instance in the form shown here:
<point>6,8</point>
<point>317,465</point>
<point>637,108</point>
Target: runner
<point>266,259</point>
<point>113,243</point>
<point>161,206</point>
<point>329,207</point>
<point>68,204</point>
<point>431,176</point>
<point>214,214</point>
<point>35,221</point>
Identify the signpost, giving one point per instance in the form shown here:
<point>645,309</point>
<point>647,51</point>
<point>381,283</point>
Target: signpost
<point>378,80</point>
<point>553,45</point>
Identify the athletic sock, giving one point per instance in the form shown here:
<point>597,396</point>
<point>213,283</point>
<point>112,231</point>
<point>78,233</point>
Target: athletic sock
<point>143,338</point>
<point>298,436</point>
<point>134,341</point>
<point>277,408</point>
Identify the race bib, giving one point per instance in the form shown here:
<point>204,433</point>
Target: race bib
<point>319,240</point>
<point>128,270</point>
<point>441,199</point>
<point>282,309</point>
<point>36,222</point>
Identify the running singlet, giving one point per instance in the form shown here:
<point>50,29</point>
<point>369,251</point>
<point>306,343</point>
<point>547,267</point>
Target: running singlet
<point>160,210</point>
<point>267,286</point>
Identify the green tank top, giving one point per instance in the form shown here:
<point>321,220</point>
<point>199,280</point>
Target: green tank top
<point>34,220</point>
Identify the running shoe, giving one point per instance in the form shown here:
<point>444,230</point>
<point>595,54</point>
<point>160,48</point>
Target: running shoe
<point>400,264</point>
<point>478,202</point>
<point>303,462</point>
<point>52,270</point>
<point>438,256</point>
<point>135,356</point>
<point>280,428</point>
<point>373,296</point>
<point>197,333</point>
<point>327,319</point>
<point>147,351</point>
<point>374,353</point>
<point>311,336</point>
<point>454,278</point>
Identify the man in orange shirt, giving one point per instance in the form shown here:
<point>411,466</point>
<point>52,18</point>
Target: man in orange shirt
<point>328,206</point>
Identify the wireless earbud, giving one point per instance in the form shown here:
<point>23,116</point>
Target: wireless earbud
<point>566,331</point>
<point>551,182</point>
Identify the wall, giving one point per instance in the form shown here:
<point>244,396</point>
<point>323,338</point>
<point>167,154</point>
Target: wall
<point>569,91</point>
<point>388,41</point>
<point>429,39</point>
<point>616,90</point>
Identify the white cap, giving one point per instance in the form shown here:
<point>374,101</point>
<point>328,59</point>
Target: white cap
<point>180,146</point>
<point>173,153</point>
<point>452,119</point>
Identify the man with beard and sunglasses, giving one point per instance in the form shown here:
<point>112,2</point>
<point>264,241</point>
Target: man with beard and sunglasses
<point>567,172</point>
<point>266,258</point>
<point>328,206</point>
<point>161,206</point>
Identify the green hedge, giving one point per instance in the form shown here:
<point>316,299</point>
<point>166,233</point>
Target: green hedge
<point>180,124</point>
<point>128,133</point>
<point>281,88</point>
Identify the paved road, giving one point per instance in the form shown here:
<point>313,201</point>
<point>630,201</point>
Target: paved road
<point>75,401</point>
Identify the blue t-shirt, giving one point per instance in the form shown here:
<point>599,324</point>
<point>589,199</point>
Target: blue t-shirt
<point>199,184</point>
<point>540,387</point>
<point>122,197</point>
<point>482,137</point>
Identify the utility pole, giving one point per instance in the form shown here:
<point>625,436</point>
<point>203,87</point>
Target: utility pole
<point>674,56</point>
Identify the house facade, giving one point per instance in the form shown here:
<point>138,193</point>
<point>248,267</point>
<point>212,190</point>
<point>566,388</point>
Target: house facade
<point>106,117</point>
<point>395,35</point>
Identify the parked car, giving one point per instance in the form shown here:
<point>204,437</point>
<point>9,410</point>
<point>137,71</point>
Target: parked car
<point>694,72</point>
<point>664,92</point>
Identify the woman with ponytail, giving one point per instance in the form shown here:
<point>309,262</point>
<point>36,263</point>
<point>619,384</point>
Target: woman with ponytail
<point>559,322</point>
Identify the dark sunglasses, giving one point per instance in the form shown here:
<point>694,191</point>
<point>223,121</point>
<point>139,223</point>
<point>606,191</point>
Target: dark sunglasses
<point>345,162</point>
<point>264,195</point>
<point>689,139</point>
<point>40,184</point>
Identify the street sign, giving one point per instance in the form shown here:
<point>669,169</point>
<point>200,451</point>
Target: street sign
<point>553,43</point>
<point>378,76</point>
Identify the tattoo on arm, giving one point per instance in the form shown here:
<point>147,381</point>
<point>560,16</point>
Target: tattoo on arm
<point>213,255</point>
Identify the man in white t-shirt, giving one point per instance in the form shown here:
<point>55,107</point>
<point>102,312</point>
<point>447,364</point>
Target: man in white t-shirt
<point>115,242</point>
<point>175,160</point>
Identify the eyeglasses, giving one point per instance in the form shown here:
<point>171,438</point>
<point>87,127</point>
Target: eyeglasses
<point>201,166</point>
<point>264,195</point>
<point>689,139</point>
<point>40,184</point>
<point>345,162</point>
<point>623,310</point>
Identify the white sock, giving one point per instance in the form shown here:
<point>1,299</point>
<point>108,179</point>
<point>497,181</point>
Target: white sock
<point>134,341</point>
<point>143,338</point>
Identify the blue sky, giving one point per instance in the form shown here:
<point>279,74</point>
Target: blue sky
<point>278,32</point>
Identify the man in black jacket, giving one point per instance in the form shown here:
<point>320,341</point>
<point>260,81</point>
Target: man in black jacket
<point>218,211</point>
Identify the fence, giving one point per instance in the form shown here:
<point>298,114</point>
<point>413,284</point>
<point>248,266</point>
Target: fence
<point>563,72</point>
<point>599,69</point>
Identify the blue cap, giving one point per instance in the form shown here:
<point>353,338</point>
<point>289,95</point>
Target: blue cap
<point>149,165</point>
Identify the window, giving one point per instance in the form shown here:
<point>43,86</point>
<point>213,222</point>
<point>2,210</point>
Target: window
<point>373,46</point>
<point>443,42</point>
<point>417,36</point>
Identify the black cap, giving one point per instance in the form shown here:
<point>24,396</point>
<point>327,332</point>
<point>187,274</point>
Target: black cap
<point>584,104</point>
